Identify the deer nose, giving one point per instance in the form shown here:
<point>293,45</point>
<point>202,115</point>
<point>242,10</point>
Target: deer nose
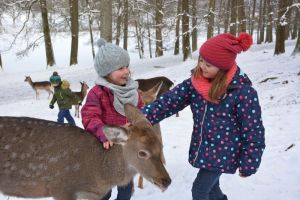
<point>166,182</point>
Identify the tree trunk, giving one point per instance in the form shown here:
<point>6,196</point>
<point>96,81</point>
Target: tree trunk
<point>74,31</point>
<point>158,21</point>
<point>296,24</point>
<point>194,25</point>
<point>211,19</point>
<point>227,16</point>
<point>241,16</point>
<point>269,31</point>
<point>259,22</point>
<point>297,47</point>
<point>125,39</point>
<point>176,48</point>
<point>106,20</point>
<point>119,20</point>
<point>263,22</point>
<point>1,66</point>
<point>252,17</point>
<point>47,37</point>
<point>90,28</point>
<point>233,17</point>
<point>280,31</point>
<point>220,15</point>
<point>185,30</point>
<point>149,36</point>
<point>288,20</point>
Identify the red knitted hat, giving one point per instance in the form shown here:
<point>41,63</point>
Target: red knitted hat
<point>222,49</point>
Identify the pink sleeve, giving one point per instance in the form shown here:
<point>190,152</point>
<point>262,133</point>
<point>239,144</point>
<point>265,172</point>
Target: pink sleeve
<point>91,113</point>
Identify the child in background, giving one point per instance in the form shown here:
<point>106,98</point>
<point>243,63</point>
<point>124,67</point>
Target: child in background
<point>64,98</point>
<point>228,132</point>
<point>105,101</point>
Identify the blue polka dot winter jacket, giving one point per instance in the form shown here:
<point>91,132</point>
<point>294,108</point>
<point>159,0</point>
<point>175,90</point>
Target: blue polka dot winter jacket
<point>226,136</point>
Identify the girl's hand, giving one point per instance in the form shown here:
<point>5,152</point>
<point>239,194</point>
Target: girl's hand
<point>107,144</point>
<point>241,175</point>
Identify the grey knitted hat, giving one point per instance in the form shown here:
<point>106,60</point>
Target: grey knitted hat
<point>109,58</point>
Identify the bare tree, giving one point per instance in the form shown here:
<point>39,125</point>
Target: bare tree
<point>176,48</point>
<point>241,16</point>
<point>211,19</point>
<point>158,27</point>
<point>194,25</point>
<point>119,20</point>
<point>297,47</point>
<point>125,23</point>
<point>269,31</point>
<point>233,16</point>
<point>227,16</point>
<point>185,30</point>
<point>106,20</point>
<point>281,26</point>
<point>47,37</point>
<point>1,66</point>
<point>252,17</point>
<point>74,31</point>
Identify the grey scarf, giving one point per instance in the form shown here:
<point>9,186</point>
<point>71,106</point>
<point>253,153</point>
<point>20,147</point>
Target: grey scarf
<point>122,94</point>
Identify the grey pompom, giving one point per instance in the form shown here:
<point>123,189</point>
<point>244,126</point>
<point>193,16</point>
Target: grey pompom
<point>101,42</point>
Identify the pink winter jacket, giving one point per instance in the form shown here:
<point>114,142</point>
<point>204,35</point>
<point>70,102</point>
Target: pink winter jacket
<point>99,110</point>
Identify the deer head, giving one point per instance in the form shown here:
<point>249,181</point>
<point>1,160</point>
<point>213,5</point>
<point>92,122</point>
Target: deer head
<point>141,147</point>
<point>151,94</point>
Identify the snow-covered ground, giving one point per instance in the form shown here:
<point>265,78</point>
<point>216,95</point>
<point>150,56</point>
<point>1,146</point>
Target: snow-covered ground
<point>278,177</point>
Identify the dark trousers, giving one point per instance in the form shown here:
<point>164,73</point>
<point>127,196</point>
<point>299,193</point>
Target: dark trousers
<point>206,186</point>
<point>65,113</point>
<point>124,192</point>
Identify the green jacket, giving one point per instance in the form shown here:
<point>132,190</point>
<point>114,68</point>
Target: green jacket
<point>65,98</point>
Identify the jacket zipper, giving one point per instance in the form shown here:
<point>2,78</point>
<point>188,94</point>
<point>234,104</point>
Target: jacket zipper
<point>205,110</point>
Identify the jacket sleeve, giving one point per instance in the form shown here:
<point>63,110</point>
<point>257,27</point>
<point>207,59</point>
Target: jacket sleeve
<point>91,113</point>
<point>252,131</point>
<point>53,100</point>
<point>169,103</point>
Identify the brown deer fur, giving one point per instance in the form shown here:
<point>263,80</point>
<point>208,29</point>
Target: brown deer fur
<point>81,95</point>
<point>40,158</point>
<point>147,84</point>
<point>42,85</point>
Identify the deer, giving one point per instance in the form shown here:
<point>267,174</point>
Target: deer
<point>81,95</point>
<point>41,158</point>
<point>147,97</point>
<point>42,85</point>
<point>147,84</point>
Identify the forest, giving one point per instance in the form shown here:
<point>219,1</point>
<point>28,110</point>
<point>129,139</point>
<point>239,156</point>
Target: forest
<point>150,22</point>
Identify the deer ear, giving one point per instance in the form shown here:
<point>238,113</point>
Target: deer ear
<point>135,116</point>
<point>116,134</point>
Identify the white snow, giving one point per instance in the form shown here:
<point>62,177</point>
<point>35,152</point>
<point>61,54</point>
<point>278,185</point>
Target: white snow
<point>278,177</point>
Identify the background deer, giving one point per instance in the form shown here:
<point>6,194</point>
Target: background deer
<point>40,158</point>
<point>148,97</point>
<point>81,95</point>
<point>42,85</point>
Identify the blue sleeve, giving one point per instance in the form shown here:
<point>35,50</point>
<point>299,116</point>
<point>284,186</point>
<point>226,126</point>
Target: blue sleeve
<point>169,103</point>
<point>252,129</point>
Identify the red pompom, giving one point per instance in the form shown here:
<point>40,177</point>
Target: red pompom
<point>245,40</point>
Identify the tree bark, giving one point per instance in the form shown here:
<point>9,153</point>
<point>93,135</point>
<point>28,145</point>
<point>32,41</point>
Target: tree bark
<point>263,22</point>
<point>46,31</point>
<point>158,21</point>
<point>90,28</point>
<point>259,21</point>
<point>296,24</point>
<point>280,31</point>
<point>241,16</point>
<point>149,36</point>
<point>269,31</point>
<point>252,17</point>
<point>1,66</point>
<point>297,47</point>
<point>233,17</point>
<point>119,20</point>
<point>125,39</point>
<point>185,30</point>
<point>211,19</point>
<point>194,25</point>
<point>227,16</point>
<point>176,48</point>
<point>74,31</point>
<point>106,20</point>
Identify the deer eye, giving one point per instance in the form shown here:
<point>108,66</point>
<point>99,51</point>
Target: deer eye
<point>144,154</point>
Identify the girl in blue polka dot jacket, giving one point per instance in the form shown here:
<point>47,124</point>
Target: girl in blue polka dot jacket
<point>228,133</point>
